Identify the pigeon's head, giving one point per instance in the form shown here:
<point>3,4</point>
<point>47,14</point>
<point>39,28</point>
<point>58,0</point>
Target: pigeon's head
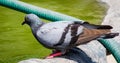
<point>32,20</point>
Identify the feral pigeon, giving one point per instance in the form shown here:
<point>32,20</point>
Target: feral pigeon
<point>64,35</point>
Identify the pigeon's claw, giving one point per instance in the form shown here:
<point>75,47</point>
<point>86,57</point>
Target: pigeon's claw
<point>54,55</point>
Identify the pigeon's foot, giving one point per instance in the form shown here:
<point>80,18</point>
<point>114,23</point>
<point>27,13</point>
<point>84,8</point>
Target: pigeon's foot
<point>55,54</point>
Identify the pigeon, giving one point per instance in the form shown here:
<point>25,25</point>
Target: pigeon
<point>61,36</point>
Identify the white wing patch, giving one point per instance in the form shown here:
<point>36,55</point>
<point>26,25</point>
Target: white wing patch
<point>80,30</point>
<point>67,38</point>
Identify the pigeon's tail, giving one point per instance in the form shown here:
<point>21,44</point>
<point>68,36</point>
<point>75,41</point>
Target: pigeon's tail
<point>109,35</point>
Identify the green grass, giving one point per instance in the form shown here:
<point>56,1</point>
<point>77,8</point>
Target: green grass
<point>17,42</point>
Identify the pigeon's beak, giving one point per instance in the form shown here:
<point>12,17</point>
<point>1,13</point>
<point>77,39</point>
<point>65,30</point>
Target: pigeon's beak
<point>23,22</point>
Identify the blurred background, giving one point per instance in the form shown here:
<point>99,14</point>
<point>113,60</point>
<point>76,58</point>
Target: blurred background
<point>17,42</point>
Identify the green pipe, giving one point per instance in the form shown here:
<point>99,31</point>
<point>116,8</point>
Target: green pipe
<point>111,45</point>
<point>41,12</point>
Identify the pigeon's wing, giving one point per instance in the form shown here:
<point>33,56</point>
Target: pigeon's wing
<point>70,35</point>
<point>90,34</point>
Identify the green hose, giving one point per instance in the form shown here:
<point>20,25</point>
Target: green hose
<point>111,45</point>
<point>42,13</point>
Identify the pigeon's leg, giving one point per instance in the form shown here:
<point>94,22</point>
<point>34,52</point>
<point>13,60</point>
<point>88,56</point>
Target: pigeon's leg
<point>56,53</point>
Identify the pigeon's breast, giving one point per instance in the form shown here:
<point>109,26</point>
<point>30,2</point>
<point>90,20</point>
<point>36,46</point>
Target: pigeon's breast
<point>51,33</point>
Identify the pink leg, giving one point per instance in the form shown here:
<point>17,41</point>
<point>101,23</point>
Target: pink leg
<point>58,53</point>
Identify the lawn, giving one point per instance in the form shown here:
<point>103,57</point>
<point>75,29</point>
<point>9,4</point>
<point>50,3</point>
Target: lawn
<point>17,42</point>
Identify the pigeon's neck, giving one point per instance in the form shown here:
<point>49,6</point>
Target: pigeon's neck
<point>34,27</point>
